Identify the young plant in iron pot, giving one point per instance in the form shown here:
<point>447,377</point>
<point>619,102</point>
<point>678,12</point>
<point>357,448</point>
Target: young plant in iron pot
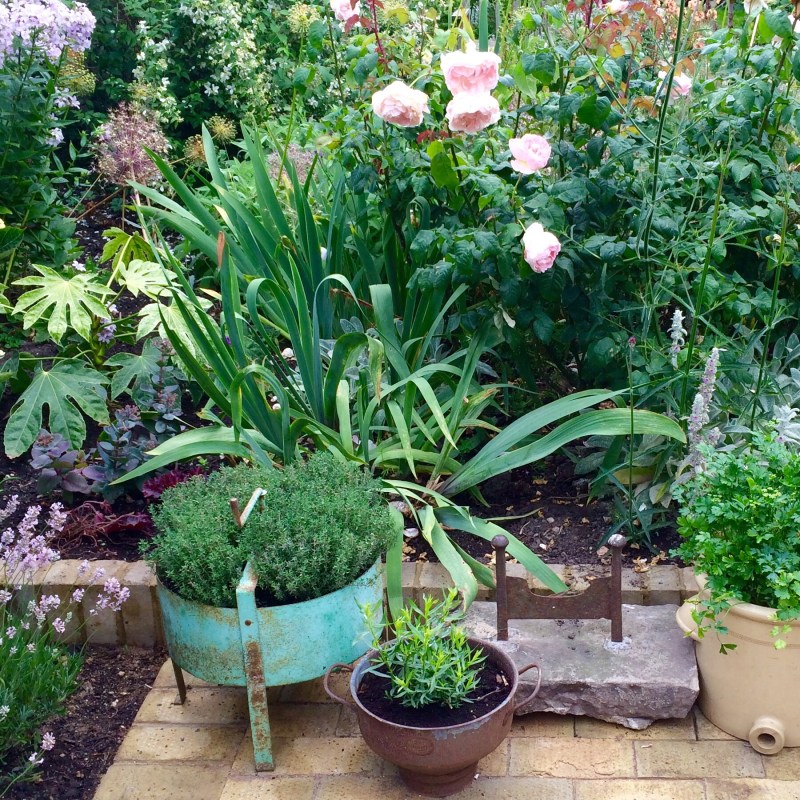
<point>432,700</point>
<point>270,592</point>
<point>740,524</point>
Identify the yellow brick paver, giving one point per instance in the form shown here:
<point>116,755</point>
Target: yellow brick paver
<point>660,759</point>
<point>588,728</point>
<point>547,725</point>
<point>707,730</point>
<point>150,781</point>
<point>351,787</point>
<point>216,706</point>
<point>180,743</point>
<point>784,766</point>
<point>312,756</point>
<point>203,751</point>
<point>265,787</point>
<point>572,758</point>
<point>749,789</point>
<point>640,789</point>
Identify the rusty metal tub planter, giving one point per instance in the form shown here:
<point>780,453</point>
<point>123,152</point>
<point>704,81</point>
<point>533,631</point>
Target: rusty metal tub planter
<point>267,646</point>
<point>437,761</point>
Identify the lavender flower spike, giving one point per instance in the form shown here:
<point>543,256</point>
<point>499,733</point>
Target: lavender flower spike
<point>677,333</point>
<point>709,380</point>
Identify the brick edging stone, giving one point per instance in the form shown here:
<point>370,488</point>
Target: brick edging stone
<point>139,622</point>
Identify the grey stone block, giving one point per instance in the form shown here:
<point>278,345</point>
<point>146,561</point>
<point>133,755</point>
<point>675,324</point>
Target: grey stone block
<point>651,675</point>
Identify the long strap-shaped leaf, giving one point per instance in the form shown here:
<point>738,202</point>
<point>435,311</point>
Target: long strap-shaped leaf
<point>602,422</point>
<point>448,556</point>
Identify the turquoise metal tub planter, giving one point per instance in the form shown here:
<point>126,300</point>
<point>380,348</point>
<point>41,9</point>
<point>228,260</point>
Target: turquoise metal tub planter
<point>268,646</point>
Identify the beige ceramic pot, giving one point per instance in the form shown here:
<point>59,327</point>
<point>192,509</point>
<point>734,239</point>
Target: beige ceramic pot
<point>750,692</point>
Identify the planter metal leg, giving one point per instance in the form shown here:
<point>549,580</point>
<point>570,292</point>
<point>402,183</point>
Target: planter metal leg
<point>254,670</point>
<point>181,698</point>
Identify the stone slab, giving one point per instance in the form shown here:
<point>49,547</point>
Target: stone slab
<point>651,675</point>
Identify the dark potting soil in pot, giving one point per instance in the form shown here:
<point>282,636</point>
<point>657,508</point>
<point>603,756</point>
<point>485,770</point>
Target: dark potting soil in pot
<point>493,688</point>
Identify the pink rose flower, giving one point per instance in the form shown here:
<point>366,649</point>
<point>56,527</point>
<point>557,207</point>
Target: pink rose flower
<point>474,72</point>
<point>531,153</point>
<point>541,247</point>
<point>400,105</point>
<point>681,84</point>
<point>471,113</point>
<point>345,10</point>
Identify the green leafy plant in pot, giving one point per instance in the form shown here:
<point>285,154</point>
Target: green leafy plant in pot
<point>271,595</point>
<point>431,699</point>
<point>740,523</point>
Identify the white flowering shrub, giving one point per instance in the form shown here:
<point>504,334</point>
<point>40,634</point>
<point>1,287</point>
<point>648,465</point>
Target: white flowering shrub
<point>37,671</point>
<point>201,58</point>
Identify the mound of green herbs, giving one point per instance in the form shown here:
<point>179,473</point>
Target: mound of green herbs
<point>321,525</point>
<point>740,525</point>
<point>429,660</point>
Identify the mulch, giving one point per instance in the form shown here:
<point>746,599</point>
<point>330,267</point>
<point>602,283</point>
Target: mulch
<point>112,685</point>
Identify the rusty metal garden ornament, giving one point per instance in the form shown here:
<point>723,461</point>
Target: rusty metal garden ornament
<point>602,600</point>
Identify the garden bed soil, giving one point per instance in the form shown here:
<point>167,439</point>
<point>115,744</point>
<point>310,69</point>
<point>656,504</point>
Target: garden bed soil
<point>543,505</point>
<point>112,685</point>
<point>493,688</point>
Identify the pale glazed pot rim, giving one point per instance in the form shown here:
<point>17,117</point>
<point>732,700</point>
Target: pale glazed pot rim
<point>744,609</point>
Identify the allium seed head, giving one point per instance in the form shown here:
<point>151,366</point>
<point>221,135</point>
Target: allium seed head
<point>300,18</point>
<point>193,151</point>
<point>120,145</point>
<point>222,129</point>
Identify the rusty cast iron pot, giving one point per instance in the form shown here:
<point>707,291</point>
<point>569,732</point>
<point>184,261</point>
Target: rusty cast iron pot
<point>437,761</point>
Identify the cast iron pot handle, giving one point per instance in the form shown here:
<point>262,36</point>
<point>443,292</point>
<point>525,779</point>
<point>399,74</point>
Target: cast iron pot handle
<point>536,688</point>
<point>326,685</point>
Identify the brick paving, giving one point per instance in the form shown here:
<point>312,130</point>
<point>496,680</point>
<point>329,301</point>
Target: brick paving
<point>203,751</point>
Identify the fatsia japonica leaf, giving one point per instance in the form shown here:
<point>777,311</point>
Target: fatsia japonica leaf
<point>122,247</point>
<point>64,302</point>
<point>134,368</point>
<point>145,277</point>
<point>66,390</point>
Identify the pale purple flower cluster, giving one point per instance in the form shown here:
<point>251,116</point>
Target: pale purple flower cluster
<point>107,333</point>
<point>63,98</point>
<point>24,550</point>
<point>40,610</point>
<point>113,595</point>
<point>55,138</point>
<point>700,416</point>
<point>49,25</point>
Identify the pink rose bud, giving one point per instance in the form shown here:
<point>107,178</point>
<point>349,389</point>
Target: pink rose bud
<point>541,247</point>
<point>531,153</point>
<point>400,105</point>
<point>474,72</point>
<point>345,10</point>
<point>471,113</point>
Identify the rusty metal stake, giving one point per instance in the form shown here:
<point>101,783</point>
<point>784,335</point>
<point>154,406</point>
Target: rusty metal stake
<point>500,543</point>
<point>616,542</point>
